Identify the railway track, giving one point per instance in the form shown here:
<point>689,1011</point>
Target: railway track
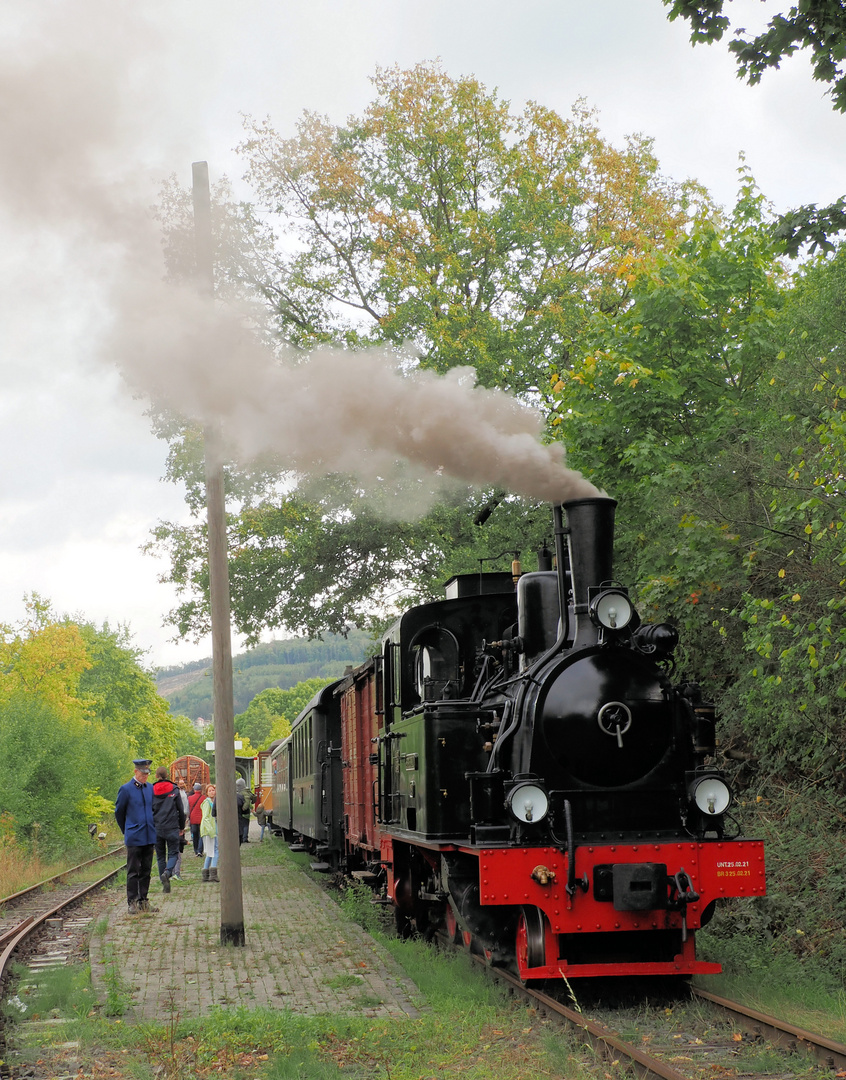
<point>27,913</point>
<point>732,1031</point>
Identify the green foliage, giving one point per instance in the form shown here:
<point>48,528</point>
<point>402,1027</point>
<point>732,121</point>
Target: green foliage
<point>45,657</point>
<point>675,396</point>
<point>719,397</point>
<point>279,665</point>
<point>798,924</point>
<point>264,718</point>
<point>441,218</point>
<point>49,769</point>
<point>356,901</point>
<point>188,740</point>
<point>811,227</point>
<point>75,708</point>
<point>816,25</point>
<point>117,690</point>
<point>790,695</point>
<point>270,714</point>
<point>321,564</point>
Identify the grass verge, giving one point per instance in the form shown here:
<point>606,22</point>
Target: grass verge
<point>466,1027</point>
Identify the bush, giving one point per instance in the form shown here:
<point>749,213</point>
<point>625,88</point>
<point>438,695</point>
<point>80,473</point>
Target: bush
<point>49,766</point>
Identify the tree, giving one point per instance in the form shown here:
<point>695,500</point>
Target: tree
<point>791,693</point>
<point>816,25</point>
<point>188,739</point>
<point>123,696</point>
<point>262,718</point>
<point>678,395</point>
<point>52,770</point>
<point>270,714</point>
<point>43,657</point>
<point>75,708</point>
<point>718,398</point>
<point>440,219</point>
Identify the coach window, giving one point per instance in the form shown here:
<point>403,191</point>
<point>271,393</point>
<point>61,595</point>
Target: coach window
<point>437,668</point>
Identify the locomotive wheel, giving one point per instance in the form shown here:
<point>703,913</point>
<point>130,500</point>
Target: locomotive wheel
<point>531,940</point>
<point>452,928</point>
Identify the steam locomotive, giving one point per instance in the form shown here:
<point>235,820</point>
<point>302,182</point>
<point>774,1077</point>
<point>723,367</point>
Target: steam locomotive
<point>518,767</point>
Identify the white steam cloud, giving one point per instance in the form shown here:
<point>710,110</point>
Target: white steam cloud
<point>337,411</point>
<point>71,111</point>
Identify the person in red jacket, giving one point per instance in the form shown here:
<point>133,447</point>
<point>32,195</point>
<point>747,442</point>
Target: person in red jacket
<point>195,813</point>
<point>169,820</point>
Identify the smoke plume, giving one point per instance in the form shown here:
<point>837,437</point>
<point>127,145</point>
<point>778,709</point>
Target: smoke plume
<point>71,112</point>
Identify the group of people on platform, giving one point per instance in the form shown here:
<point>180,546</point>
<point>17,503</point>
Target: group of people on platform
<point>153,819</point>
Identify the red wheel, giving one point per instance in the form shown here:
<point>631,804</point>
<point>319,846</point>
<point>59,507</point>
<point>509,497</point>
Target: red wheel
<point>453,929</point>
<point>531,941</point>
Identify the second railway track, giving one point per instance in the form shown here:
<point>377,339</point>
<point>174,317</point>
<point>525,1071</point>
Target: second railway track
<point>27,913</point>
<point>715,1037</point>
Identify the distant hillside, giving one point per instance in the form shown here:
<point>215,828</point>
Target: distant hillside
<point>278,663</point>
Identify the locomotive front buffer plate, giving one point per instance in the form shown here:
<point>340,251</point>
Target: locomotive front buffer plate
<point>634,910</point>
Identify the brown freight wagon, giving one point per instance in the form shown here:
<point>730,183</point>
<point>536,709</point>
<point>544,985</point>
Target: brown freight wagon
<point>192,769</point>
<point>361,716</point>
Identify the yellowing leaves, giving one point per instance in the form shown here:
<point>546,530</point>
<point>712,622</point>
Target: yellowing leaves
<point>49,661</point>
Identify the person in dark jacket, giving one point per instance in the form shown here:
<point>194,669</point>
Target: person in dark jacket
<point>244,799</point>
<point>134,815</point>
<point>195,813</point>
<point>169,821</point>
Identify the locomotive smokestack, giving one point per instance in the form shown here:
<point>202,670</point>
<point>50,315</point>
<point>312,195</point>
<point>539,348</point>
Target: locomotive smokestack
<point>590,539</point>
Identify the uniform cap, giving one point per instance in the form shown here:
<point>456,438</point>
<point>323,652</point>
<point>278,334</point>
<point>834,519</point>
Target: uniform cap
<point>142,763</point>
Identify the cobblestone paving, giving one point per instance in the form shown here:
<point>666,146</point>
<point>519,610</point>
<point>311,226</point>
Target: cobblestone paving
<point>301,952</point>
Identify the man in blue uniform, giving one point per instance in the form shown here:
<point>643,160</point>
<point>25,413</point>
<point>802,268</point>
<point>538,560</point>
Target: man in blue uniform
<point>134,814</point>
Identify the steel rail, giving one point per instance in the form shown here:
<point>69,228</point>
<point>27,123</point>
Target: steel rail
<point>19,934</point>
<point>58,877</point>
<point>782,1032</point>
<point>600,1038</point>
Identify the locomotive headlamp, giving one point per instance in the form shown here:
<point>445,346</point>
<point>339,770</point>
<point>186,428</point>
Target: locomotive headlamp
<point>611,609</point>
<point>528,803</point>
<point>711,795</point>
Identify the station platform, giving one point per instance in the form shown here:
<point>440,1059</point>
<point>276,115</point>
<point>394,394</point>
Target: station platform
<point>302,953</point>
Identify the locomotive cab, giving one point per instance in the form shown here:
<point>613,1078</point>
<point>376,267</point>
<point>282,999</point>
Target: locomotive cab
<point>434,732</point>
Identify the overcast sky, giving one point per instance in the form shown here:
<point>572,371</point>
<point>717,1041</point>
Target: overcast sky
<point>101,101</point>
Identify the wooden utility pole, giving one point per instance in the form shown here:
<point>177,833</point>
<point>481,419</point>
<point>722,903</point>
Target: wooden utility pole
<point>231,898</point>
